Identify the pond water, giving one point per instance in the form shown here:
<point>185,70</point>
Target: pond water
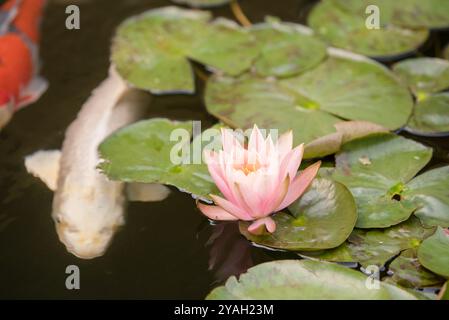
<point>166,249</point>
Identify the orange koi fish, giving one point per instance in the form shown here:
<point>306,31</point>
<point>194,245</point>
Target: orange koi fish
<point>20,84</point>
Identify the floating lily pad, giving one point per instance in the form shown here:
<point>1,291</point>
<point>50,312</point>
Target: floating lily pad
<point>151,50</point>
<point>424,75</point>
<point>202,3</point>
<point>347,30</point>
<point>346,131</point>
<point>376,169</point>
<point>142,153</point>
<point>408,272</point>
<point>433,14</point>
<point>434,252</point>
<point>350,87</point>
<point>430,192</point>
<point>322,218</point>
<point>293,279</point>
<point>285,49</point>
<point>377,246</point>
<point>431,116</point>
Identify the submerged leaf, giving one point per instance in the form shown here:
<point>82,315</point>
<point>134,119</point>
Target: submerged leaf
<point>321,218</point>
<point>434,252</point>
<point>293,279</point>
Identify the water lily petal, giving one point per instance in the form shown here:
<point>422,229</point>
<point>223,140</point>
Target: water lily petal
<point>258,227</point>
<point>290,164</point>
<point>231,208</point>
<point>229,141</point>
<point>215,212</point>
<point>256,141</point>
<point>285,144</point>
<point>217,174</point>
<point>300,184</point>
<point>279,196</point>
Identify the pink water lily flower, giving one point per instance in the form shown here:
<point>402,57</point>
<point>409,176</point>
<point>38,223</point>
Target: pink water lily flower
<point>256,181</point>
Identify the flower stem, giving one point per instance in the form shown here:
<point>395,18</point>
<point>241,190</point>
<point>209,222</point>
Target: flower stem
<point>239,15</point>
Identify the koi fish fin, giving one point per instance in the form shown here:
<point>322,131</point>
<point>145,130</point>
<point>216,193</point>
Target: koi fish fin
<point>8,13</point>
<point>45,166</point>
<point>146,192</point>
<point>32,92</point>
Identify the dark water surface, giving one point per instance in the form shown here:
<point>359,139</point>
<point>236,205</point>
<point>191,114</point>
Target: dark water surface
<point>166,249</point>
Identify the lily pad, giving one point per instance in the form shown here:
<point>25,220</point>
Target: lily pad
<point>376,246</point>
<point>430,192</point>
<point>431,116</point>
<point>424,75</point>
<point>351,87</point>
<point>142,152</point>
<point>202,3</point>
<point>346,132</point>
<point>322,218</point>
<point>434,252</point>
<point>286,50</point>
<point>408,272</point>
<point>293,279</point>
<point>347,30</point>
<point>432,14</point>
<point>151,50</point>
<point>376,169</point>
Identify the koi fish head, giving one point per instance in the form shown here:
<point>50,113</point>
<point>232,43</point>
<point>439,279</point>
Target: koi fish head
<point>87,225</point>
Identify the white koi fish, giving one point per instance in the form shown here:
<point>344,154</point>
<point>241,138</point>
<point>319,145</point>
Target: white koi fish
<point>87,207</point>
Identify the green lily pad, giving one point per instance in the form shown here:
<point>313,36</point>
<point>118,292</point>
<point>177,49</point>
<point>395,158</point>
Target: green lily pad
<point>408,272</point>
<point>376,169</point>
<point>347,30</point>
<point>424,75</point>
<point>350,87</point>
<point>430,192</point>
<point>202,3</point>
<point>286,50</point>
<point>141,153</point>
<point>434,252</point>
<point>293,279</point>
<point>346,132</point>
<point>431,116</point>
<point>151,50</point>
<point>432,14</point>
<point>322,218</point>
<point>376,246</point>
